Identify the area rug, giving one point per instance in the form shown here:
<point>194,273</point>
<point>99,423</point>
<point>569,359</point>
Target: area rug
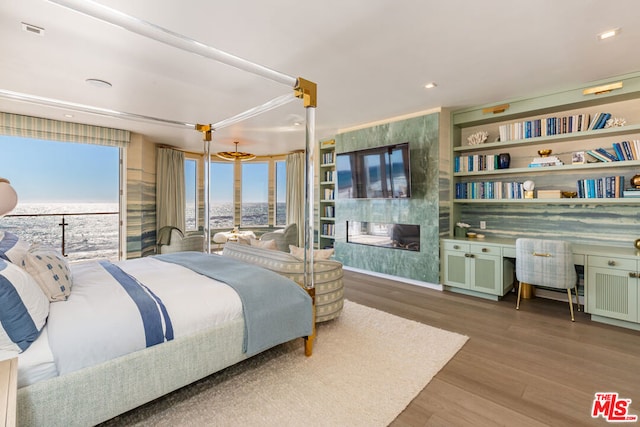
<point>366,368</point>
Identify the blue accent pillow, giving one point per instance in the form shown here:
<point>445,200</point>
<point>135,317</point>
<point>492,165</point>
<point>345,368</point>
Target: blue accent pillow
<point>23,308</point>
<point>50,270</point>
<point>12,248</point>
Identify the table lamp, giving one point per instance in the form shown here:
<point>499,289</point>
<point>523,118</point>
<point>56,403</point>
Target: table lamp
<point>8,197</point>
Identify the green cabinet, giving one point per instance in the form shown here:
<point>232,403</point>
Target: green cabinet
<point>612,287</point>
<point>476,267</point>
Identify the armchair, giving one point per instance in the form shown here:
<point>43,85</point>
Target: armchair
<point>171,239</point>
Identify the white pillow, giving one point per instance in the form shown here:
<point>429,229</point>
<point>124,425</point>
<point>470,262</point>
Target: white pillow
<point>12,248</point>
<point>50,270</point>
<point>23,308</point>
<point>317,253</point>
<point>264,244</point>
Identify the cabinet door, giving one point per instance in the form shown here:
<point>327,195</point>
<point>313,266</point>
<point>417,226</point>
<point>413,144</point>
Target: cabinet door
<point>486,274</point>
<point>612,293</point>
<point>456,266</point>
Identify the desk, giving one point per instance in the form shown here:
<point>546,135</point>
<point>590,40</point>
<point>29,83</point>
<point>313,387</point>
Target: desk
<point>484,267</point>
<point>8,391</point>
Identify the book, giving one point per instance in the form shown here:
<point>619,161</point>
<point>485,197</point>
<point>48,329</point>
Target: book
<point>607,154</point>
<point>598,156</point>
<point>618,150</point>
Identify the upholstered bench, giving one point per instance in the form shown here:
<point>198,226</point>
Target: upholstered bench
<point>327,274</point>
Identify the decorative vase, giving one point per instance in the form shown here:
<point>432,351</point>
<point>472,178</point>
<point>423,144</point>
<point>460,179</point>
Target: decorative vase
<point>503,160</point>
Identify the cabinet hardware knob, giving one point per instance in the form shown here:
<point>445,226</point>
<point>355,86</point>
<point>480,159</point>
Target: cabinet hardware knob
<point>456,247</point>
<point>485,250</point>
<point>633,274</point>
<point>611,263</point>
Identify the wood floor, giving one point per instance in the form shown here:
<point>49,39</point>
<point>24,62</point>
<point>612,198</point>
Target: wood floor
<point>531,367</point>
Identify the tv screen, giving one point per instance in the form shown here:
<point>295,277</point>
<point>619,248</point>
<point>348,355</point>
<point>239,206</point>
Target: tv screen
<point>374,173</point>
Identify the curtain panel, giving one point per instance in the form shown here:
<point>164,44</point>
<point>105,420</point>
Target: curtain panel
<point>295,192</point>
<point>56,130</point>
<point>170,189</point>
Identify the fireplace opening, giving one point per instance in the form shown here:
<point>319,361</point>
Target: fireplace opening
<point>396,236</point>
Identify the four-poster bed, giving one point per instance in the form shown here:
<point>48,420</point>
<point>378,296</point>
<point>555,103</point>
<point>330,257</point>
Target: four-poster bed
<point>110,387</point>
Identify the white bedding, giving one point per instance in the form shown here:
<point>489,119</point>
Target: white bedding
<point>194,303</point>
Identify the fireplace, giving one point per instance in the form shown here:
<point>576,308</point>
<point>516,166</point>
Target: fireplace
<point>395,236</point>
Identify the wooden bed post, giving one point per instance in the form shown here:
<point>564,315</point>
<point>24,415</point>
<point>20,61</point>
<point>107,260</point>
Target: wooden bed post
<point>308,340</point>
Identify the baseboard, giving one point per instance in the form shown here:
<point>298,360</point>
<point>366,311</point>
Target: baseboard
<point>396,278</point>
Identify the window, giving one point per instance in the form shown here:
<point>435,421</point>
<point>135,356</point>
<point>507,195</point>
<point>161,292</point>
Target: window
<point>190,183</point>
<point>255,194</point>
<point>221,195</point>
<point>281,192</point>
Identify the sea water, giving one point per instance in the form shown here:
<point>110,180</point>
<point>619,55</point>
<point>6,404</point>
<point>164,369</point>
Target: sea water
<point>91,229</point>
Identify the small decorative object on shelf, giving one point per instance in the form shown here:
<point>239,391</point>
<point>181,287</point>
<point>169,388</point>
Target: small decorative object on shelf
<point>461,229</point>
<point>637,244</point>
<point>578,158</point>
<point>545,152</point>
<point>635,181</point>
<point>478,137</point>
<point>569,194</point>
<point>615,122</point>
<point>528,189</point>
<point>504,159</point>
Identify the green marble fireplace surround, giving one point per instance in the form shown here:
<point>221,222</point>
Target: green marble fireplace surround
<point>423,135</point>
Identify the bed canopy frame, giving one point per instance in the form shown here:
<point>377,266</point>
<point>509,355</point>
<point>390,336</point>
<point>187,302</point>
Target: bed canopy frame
<point>299,89</point>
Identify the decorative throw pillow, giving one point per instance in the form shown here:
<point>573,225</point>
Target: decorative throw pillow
<point>317,253</point>
<point>244,240</point>
<point>264,244</point>
<point>12,248</point>
<point>23,308</point>
<point>50,270</point>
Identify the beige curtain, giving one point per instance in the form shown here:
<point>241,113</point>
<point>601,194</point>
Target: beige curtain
<point>295,192</point>
<point>170,191</point>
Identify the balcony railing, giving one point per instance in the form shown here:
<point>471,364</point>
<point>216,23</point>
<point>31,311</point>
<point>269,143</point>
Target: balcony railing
<point>80,236</point>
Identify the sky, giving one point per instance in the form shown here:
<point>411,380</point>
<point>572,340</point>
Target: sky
<point>49,171</point>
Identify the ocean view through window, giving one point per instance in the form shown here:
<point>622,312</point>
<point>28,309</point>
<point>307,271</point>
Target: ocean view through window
<point>60,178</point>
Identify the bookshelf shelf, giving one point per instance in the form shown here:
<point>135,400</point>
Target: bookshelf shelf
<point>546,140</point>
<point>552,169</point>
<point>326,197</point>
<point>567,201</point>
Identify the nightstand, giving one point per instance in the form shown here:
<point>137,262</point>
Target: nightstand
<point>8,391</point>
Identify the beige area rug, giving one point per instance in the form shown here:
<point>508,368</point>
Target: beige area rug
<point>366,368</point>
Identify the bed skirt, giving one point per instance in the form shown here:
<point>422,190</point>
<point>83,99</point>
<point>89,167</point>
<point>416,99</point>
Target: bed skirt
<point>96,394</point>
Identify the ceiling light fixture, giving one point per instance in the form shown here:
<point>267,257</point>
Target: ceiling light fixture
<point>608,34</point>
<point>98,83</point>
<point>235,155</point>
<point>430,85</point>
<point>32,29</point>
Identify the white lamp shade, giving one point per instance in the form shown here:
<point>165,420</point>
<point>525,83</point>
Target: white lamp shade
<point>8,197</point>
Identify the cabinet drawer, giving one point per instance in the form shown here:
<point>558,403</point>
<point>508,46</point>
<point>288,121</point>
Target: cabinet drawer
<point>456,246</point>
<point>509,252</point>
<point>613,262</point>
<point>485,249</point>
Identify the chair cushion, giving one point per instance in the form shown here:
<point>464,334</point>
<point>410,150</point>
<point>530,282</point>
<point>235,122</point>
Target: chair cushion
<point>545,262</point>
<point>284,238</point>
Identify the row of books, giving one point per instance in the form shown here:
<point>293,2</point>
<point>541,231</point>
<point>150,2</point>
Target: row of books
<point>489,190</point>
<point>329,211</point>
<point>329,176</point>
<point>328,229</point>
<point>601,188</point>
<point>329,194</point>
<point>475,162</point>
<point>625,150</point>
<point>327,158</point>
<point>552,126</point>
<point>631,192</point>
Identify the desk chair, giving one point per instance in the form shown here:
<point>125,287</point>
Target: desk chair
<point>548,263</point>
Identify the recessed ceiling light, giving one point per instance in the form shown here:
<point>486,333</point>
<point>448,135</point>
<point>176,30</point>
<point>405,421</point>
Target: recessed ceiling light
<point>608,34</point>
<point>98,83</point>
<point>430,85</point>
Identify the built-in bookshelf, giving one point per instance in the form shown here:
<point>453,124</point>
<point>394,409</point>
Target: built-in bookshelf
<point>578,147</point>
<point>327,189</point>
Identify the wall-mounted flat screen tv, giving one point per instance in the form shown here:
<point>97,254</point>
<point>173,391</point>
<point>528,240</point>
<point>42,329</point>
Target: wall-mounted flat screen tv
<point>375,173</point>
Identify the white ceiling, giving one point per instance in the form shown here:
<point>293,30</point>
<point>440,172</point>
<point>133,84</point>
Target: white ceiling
<point>369,58</point>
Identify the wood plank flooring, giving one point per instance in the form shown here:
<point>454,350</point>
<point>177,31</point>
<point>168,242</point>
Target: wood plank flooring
<point>532,367</point>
